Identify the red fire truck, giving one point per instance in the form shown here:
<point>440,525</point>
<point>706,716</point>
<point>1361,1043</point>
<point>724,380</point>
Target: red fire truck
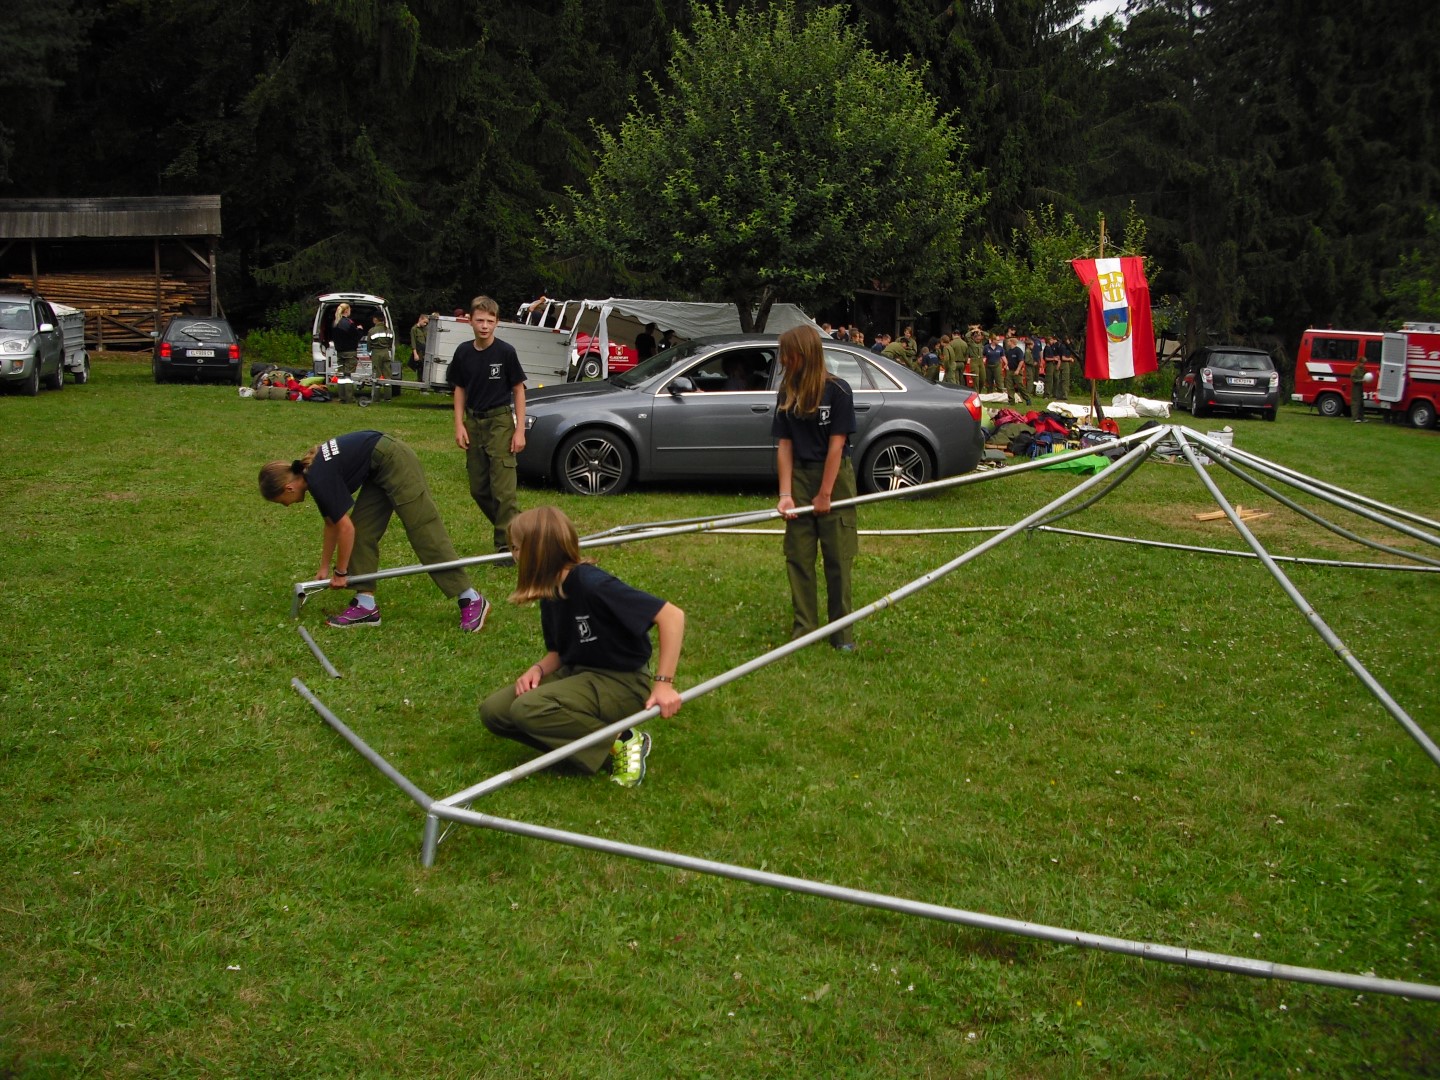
<point>1405,365</point>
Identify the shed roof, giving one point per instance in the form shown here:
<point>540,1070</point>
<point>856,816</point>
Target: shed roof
<point>65,219</point>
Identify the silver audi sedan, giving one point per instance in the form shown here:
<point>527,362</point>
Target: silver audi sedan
<point>702,411</point>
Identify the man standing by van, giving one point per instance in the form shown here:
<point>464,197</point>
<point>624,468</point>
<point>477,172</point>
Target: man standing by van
<point>488,378</point>
<point>1358,376</point>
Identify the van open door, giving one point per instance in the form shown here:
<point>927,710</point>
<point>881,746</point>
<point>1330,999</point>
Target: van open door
<point>1392,368</point>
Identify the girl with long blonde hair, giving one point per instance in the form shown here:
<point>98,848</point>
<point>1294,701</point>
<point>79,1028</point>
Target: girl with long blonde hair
<point>595,670</point>
<point>812,426</point>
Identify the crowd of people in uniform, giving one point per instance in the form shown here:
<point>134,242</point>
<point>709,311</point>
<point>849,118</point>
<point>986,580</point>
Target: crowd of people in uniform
<point>985,361</point>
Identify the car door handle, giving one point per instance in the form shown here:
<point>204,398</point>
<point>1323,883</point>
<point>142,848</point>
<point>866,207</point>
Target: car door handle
<point>759,408</point>
<point>861,408</point>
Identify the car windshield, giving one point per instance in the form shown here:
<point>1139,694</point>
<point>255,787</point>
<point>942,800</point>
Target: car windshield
<point>1239,362</point>
<point>658,364</point>
<point>16,317</point>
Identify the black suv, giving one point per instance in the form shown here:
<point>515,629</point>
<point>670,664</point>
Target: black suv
<point>1227,377</point>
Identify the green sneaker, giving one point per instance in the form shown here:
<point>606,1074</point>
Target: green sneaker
<point>627,759</point>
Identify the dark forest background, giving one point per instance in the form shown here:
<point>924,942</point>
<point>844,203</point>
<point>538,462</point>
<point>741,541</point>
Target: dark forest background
<point>1283,155</point>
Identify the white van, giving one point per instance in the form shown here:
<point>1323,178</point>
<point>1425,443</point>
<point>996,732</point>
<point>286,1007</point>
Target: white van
<point>363,309</point>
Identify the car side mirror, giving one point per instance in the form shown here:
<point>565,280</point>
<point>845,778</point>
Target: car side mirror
<point>46,327</point>
<point>681,384</point>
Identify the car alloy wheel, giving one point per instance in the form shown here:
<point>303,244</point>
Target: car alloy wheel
<point>594,462</point>
<point>895,463</point>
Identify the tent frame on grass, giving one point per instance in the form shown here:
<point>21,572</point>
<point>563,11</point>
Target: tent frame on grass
<point>1137,448</point>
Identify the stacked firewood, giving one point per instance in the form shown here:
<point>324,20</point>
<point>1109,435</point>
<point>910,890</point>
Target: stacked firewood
<point>122,307</point>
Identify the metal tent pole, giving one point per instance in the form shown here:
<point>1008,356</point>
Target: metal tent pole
<point>1320,626</point>
<point>609,732</point>
<point>1169,954</point>
<point>1324,523</point>
<point>1374,504</point>
<point>1259,464</point>
<point>394,774</point>
<point>314,648</point>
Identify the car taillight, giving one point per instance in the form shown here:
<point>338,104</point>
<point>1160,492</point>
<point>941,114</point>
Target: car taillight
<point>1274,380</point>
<point>972,404</point>
<point>234,353</point>
<point>165,350</point>
<point>1207,376</point>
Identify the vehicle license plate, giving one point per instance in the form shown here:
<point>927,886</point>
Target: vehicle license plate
<point>1242,382</point>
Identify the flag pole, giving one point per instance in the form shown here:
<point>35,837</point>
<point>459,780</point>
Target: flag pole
<point>1096,412</point>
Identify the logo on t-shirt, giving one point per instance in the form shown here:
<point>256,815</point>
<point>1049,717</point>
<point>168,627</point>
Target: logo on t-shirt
<point>330,450</point>
<point>495,371</point>
<point>582,627</point>
<point>824,418</point>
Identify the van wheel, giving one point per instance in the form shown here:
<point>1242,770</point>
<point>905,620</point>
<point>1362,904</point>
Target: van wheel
<point>56,381</point>
<point>590,366</point>
<point>1422,414</point>
<point>594,462</point>
<point>1331,405</point>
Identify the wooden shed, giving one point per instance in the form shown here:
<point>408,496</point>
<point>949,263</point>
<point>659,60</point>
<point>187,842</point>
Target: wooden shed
<point>128,263</point>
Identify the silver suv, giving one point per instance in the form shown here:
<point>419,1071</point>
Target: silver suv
<point>32,348</point>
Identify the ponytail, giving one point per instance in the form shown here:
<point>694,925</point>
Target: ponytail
<point>274,475</point>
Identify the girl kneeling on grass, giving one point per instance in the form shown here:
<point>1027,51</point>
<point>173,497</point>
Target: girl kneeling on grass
<point>388,476</point>
<point>597,640</point>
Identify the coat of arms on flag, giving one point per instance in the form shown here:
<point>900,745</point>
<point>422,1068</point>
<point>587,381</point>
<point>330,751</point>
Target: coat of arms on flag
<point>1119,337</point>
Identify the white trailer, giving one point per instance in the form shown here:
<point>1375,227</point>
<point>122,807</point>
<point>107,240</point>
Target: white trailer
<point>72,333</point>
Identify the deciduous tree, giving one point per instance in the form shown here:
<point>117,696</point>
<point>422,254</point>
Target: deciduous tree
<point>783,159</point>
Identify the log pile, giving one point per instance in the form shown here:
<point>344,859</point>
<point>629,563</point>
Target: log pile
<point>120,306</point>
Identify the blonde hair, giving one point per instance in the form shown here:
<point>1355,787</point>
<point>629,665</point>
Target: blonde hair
<point>545,545</point>
<point>802,360</point>
<point>485,304</point>
<point>274,475</point>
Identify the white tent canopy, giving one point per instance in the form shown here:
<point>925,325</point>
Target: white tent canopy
<point>621,320</point>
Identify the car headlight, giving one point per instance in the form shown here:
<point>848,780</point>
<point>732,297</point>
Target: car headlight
<point>14,345</point>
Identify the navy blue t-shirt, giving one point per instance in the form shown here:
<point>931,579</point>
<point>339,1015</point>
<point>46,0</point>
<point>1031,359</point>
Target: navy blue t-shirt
<point>487,375</point>
<point>341,465</point>
<point>810,435</point>
<point>600,622</point>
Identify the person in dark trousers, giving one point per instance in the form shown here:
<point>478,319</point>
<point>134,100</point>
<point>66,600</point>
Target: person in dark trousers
<point>1357,392</point>
<point>597,653</point>
<point>418,334</point>
<point>489,382</point>
<point>346,334</point>
<point>645,342</point>
<point>813,425</point>
<point>1015,370</point>
<point>390,482</point>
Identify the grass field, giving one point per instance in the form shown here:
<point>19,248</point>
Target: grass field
<point>199,878</point>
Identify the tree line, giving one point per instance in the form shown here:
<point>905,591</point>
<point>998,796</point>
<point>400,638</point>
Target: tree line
<point>1280,157</point>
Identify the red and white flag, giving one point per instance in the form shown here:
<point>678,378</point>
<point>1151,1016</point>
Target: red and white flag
<point>1119,335</point>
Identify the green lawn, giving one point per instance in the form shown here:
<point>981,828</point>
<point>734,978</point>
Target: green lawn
<point>201,878</point>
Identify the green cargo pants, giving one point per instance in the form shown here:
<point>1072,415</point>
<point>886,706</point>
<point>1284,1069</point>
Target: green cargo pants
<point>491,468</point>
<point>397,487</point>
<point>835,536</point>
<point>568,703</point>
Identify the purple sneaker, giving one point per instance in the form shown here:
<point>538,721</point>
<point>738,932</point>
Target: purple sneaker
<point>355,615</point>
<point>472,615</point>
